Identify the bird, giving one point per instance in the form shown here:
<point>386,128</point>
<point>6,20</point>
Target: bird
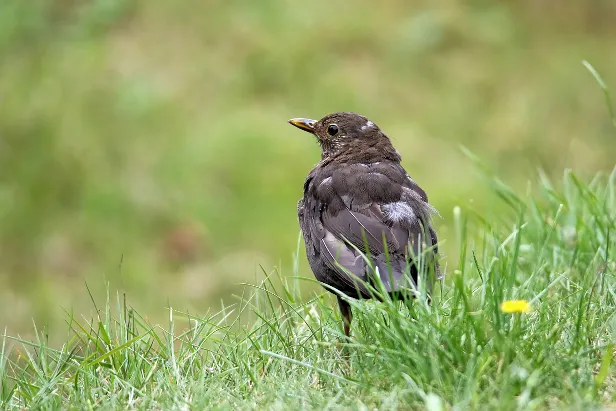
<point>359,201</point>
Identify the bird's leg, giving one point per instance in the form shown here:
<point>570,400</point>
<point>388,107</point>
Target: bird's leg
<point>347,316</point>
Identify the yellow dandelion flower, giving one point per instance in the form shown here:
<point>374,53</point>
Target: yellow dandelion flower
<point>515,306</point>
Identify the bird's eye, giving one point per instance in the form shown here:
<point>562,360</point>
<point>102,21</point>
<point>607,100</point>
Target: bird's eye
<point>332,130</point>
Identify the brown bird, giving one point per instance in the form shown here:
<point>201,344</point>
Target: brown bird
<point>359,201</point>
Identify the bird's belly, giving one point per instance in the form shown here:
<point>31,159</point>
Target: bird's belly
<point>330,278</point>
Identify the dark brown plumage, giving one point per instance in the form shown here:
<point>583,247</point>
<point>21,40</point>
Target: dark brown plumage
<point>359,197</point>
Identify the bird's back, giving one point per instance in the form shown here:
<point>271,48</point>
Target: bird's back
<point>353,209</point>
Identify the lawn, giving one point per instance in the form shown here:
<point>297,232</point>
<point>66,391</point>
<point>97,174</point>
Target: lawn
<point>274,349</point>
<point>149,253</point>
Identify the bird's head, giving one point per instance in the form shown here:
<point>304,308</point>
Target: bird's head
<point>348,136</point>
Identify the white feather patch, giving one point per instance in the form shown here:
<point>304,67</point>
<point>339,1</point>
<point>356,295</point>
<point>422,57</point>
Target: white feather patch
<point>398,211</point>
<point>368,125</point>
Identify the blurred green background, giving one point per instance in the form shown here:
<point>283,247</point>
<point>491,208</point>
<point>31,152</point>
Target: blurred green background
<point>145,143</point>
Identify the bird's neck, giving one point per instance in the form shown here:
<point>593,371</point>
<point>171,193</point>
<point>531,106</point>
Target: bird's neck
<point>366,153</point>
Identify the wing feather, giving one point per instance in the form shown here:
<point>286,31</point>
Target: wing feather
<point>376,209</point>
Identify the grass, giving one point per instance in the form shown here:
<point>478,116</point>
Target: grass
<point>118,145</point>
<point>273,349</point>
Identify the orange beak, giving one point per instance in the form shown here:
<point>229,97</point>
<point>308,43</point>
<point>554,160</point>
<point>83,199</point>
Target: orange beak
<point>305,124</point>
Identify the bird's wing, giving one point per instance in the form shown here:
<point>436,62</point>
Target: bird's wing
<point>375,209</point>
